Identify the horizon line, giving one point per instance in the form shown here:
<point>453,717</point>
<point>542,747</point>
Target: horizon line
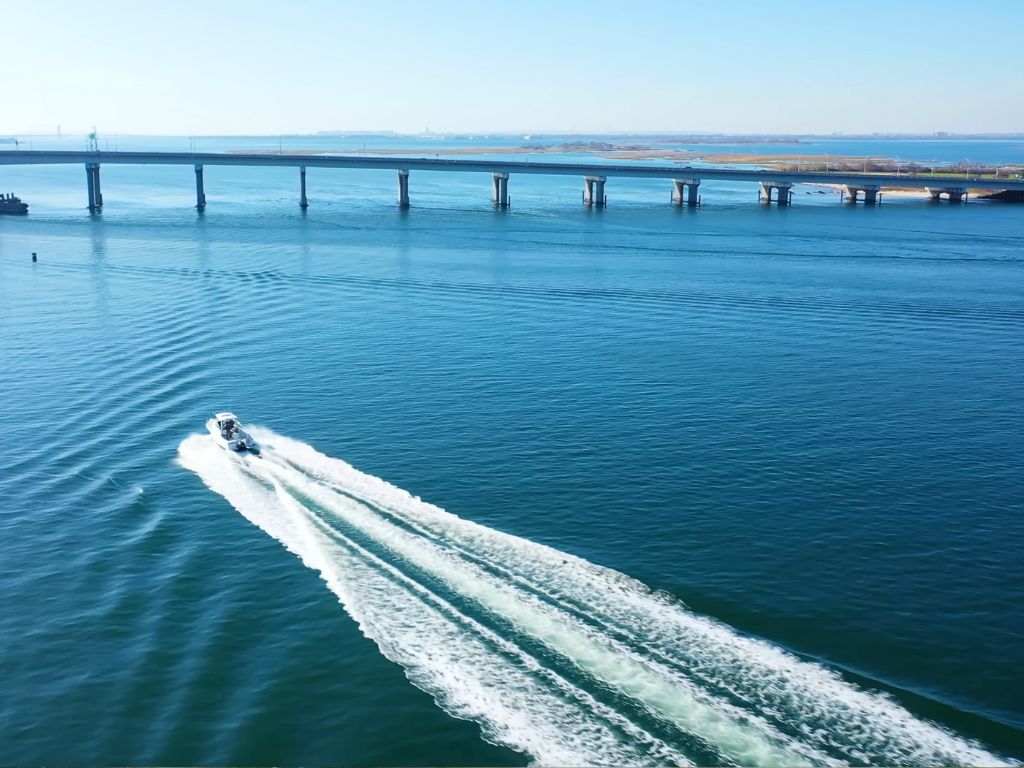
<point>532,134</point>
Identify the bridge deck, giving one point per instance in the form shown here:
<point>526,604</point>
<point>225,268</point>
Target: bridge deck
<point>635,170</point>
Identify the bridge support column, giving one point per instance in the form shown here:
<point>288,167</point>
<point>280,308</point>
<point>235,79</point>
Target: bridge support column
<point>90,184</point>
<point>96,181</point>
<point>500,197</point>
<point>869,192</point>
<point>403,188</point>
<point>783,193</point>
<point>303,202</point>
<point>593,191</point>
<point>92,180</point>
<point>685,190</point>
<point>200,189</point>
<point>953,194</point>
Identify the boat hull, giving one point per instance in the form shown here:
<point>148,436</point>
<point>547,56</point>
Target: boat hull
<point>241,443</point>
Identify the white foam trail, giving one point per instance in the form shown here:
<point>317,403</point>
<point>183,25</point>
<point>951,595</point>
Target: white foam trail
<point>751,702</point>
<point>471,671</point>
<point>662,691</point>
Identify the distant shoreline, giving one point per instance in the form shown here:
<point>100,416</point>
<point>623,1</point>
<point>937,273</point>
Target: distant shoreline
<point>607,153</point>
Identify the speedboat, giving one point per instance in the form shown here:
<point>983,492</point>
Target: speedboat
<point>228,433</point>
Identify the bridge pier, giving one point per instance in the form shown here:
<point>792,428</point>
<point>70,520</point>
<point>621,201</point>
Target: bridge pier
<point>783,193</point>
<point>593,191</point>
<point>92,180</point>
<point>500,181</point>
<point>303,202</point>
<point>90,184</point>
<point>200,190</point>
<point>403,188</point>
<point>99,192</point>
<point>690,187</point>
<point>953,194</point>
<point>870,191</point>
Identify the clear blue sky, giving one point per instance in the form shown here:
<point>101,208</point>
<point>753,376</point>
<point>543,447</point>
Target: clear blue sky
<point>220,66</point>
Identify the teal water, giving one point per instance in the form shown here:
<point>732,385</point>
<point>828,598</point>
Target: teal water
<point>727,486</point>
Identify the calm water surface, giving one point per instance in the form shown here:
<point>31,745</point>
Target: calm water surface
<point>801,428</point>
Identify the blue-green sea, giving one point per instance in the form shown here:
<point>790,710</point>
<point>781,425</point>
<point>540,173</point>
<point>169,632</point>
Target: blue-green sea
<point>633,486</point>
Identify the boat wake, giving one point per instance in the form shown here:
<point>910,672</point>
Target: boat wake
<point>556,657</point>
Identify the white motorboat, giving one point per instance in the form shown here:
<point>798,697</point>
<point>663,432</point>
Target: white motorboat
<point>228,433</point>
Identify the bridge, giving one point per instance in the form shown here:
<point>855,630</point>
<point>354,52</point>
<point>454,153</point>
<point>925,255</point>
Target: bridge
<point>775,186</point>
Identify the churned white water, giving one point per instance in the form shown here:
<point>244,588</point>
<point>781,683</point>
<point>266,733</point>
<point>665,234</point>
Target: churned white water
<point>560,658</point>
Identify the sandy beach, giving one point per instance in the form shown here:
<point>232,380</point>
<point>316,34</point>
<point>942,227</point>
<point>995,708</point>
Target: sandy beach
<point>904,193</point>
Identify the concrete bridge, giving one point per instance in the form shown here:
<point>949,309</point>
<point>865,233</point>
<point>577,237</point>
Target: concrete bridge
<point>774,186</point>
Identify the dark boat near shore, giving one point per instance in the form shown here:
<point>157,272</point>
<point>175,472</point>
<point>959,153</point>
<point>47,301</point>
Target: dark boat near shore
<point>12,204</point>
